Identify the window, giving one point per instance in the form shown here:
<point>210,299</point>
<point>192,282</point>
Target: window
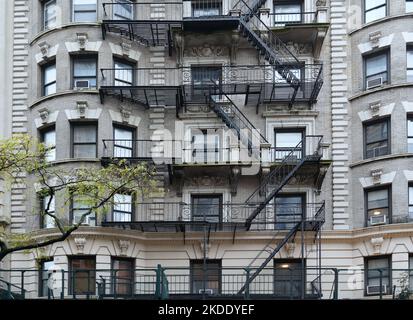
<point>44,266</point>
<point>84,140</point>
<point>289,142</point>
<point>289,210</point>
<point>48,203</point>
<point>49,79</point>
<point>205,146</point>
<point>206,208</point>
<point>411,272</point>
<point>409,58</point>
<point>288,281</point>
<point>48,138</point>
<point>84,72</point>
<point>410,134</point>
<point>206,8</point>
<point>378,206</point>
<point>122,10</point>
<point>49,15</point>
<point>82,275</point>
<point>374,10</point>
<point>123,73</point>
<point>378,268</point>
<point>80,206</point>
<point>123,146</point>
<point>409,6</point>
<point>206,278</point>
<point>287,12</point>
<point>203,77</point>
<point>376,69</point>
<point>84,11</point>
<point>297,70</point>
<point>123,276</point>
<point>411,202</point>
<point>122,207</point>
<point>377,138</point>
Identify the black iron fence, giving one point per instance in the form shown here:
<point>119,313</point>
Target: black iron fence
<point>284,281</point>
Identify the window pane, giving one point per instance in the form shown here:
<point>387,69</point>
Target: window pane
<point>123,74</point>
<point>409,6</point>
<point>376,132</point>
<point>123,10</point>
<point>49,140</point>
<point>84,133</point>
<point>84,10</point>
<point>211,276</point>
<point>377,199</point>
<point>123,272</point>
<point>82,276</point>
<point>288,139</point>
<point>376,64</point>
<point>49,222</point>
<point>202,9</point>
<point>411,196</point>
<point>206,208</point>
<point>122,202</point>
<point>287,13</point>
<point>50,15</point>
<point>369,4</point>
<point>84,151</point>
<point>84,68</point>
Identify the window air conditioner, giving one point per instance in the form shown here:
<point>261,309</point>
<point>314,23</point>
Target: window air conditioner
<point>377,220</point>
<point>377,82</point>
<point>89,221</point>
<point>82,84</point>
<point>376,289</point>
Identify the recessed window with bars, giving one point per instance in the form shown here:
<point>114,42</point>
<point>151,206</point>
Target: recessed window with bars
<point>288,280</point>
<point>377,140</point>
<point>287,12</point>
<point>206,278</point>
<point>82,275</point>
<point>289,210</point>
<point>206,8</point>
<point>378,275</point>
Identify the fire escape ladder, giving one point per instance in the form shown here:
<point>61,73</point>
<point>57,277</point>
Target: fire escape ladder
<point>229,113</point>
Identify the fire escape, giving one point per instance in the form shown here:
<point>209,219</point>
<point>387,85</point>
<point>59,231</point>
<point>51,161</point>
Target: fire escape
<point>255,82</point>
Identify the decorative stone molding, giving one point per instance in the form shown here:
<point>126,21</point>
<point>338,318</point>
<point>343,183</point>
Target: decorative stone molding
<point>126,114</point>
<point>376,175</point>
<point>321,3</point>
<point>299,48</point>
<point>375,108</point>
<point>385,178</point>
<point>80,244</point>
<point>377,43</point>
<point>205,51</point>
<point>205,248</point>
<point>126,48</point>
<point>235,40</point>
<point>374,38</point>
<point>124,246</point>
<point>377,244</point>
<point>82,39</point>
<point>206,181</point>
<point>44,49</point>
<point>83,45</point>
<point>289,249</point>
<point>44,115</point>
<point>89,113</point>
<point>234,179</point>
<point>81,107</point>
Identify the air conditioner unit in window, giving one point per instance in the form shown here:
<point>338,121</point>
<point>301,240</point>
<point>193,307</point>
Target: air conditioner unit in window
<point>377,82</point>
<point>89,221</point>
<point>82,84</point>
<point>376,289</point>
<point>377,220</point>
<point>207,291</point>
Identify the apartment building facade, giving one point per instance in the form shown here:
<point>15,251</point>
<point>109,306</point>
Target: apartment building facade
<point>281,132</point>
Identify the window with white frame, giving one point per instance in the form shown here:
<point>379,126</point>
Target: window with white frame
<point>81,206</point>
<point>376,138</point>
<point>49,206</point>
<point>49,78</point>
<point>378,275</point>
<point>48,138</point>
<point>376,69</point>
<point>123,73</point>
<point>410,134</point>
<point>378,206</point>
<point>374,10</point>
<point>409,6</point>
<point>123,145</point>
<point>84,10</point>
<point>49,15</point>
<point>122,207</point>
<point>122,10</point>
<point>287,12</point>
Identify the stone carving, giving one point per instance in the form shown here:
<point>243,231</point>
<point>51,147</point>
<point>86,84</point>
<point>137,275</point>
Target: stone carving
<point>80,244</point>
<point>375,108</point>
<point>81,108</point>
<point>235,39</point>
<point>44,49</point>
<point>321,3</point>
<point>126,114</point>
<point>374,38</point>
<point>123,246</point>
<point>289,249</point>
<point>82,38</point>
<point>299,48</point>
<point>377,243</point>
<point>205,249</point>
<point>205,51</point>
<point>206,181</point>
<point>44,115</point>
<point>179,43</point>
<point>376,175</point>
<point>126,47</point>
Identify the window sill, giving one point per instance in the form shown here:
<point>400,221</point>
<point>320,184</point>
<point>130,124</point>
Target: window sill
<point>63,93</point>
<point>43,33</point>
<point>73,160</point>
<point>362,94</point>
<point>385,19</point>
<point>386,157</point>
